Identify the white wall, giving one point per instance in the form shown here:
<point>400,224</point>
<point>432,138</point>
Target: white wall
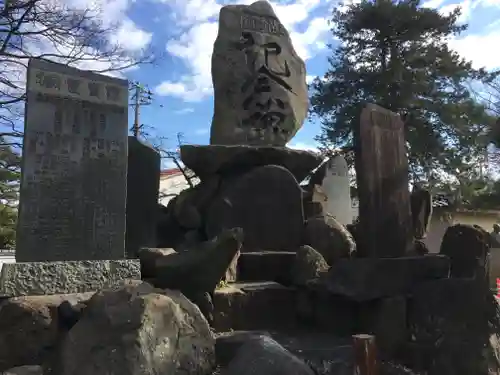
<point>6,259</point>
<point>172,184</point>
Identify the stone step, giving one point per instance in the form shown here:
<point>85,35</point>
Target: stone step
<point>266,265</point>
<point>324,353</point>
<point>253,306</point>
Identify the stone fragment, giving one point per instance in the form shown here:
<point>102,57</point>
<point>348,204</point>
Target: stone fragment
<point>330,238</point>
<point>308,265</point>
<point>206,161</point>
<point>30,327</point>
<point>41,278</point>
<point>263,355</point>
<point>365,279</point>
<point>260,88</point>
<point>468,248</point>
<point>198,270</point>
<point>148,257</point>
<point>267,204</point>
<point>132,329</point>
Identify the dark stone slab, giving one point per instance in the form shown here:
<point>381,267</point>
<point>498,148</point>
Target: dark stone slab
<point>254,306</point>
<point>208,160</point>
<point>74,167</point>
<point>266,266</point>
<point>143,181</point>
<point>326,354</point>
<point>382,179</point>
<point>367,279</point>
<point>267,204</point>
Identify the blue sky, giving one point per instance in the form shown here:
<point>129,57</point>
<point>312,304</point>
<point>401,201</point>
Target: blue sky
<point>184,32</point>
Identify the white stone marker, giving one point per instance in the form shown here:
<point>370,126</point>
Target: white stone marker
<point>336,186</point>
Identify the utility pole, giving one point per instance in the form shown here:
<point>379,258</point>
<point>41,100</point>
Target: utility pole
<point>140,96</point>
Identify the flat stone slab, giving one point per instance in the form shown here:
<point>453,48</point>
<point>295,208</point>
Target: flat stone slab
<point>46,278</point>
<point>367,279</point>
<point>266,266</point>
<point>208,160</point>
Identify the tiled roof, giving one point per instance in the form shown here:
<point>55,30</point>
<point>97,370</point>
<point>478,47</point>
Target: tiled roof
<point>170,172</point>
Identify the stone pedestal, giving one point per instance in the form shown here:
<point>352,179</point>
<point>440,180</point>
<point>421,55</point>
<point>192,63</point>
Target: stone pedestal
<point>44,278</point>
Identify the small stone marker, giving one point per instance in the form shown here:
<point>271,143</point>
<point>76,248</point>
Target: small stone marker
<point>382,179</point>
<point>260,89</point>
<point>74,168</point>
<point>143,183</point>
<point>337,187</point>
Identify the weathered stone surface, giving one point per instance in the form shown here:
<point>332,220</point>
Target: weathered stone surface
<point>148,258</point>
<point>382,180</point>
<point>135,329</point>
<point>40,278</point>
<point>30,328</point>
<point>366,279</point>
<point>209,160</point>
<point>266,266</point>
<point>312,210</point>
<point>199,270</point>
<point>330,238</point>
<point>450,322</point>
<point>468,248</point>
<point>246,306</point>
<point>309,264</point>
<point>24,370</point>
<point>267,204</point>
<point>143,182</point>
<point>260,88</point>
<point>386,319</point>
<point>324,353</point>
<point>263,355</point>
<point>77,120</point>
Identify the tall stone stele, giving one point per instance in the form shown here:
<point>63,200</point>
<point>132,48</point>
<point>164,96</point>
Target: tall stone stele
<point>261,95</point>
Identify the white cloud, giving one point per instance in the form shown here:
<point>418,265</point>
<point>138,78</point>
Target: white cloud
<point>184,111</point>
<point>194,47</point>
<point>480,49</point>
<point>202,131</point>
<point>130,37</point>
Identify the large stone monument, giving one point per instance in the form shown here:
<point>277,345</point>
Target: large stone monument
<point>73,184</point>
<point>261,95</point>
<point>382,174</point>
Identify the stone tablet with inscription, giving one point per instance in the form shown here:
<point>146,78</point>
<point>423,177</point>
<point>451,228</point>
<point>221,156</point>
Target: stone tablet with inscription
<point>74,168</point>
<point>382,181</point>
<point>260,90</point>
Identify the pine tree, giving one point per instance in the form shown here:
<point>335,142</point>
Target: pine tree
<point>395,54</point>
<point>9,194</point>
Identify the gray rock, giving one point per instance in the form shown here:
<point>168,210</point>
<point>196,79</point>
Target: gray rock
<point>260,88</point>
<point>199,270</point>
<point>24,370</point>
<point>30,327</point>
<point>42,278</point>
<point>134,329</point>
<point>207,161</point>
<point>267,204</point>
<point>309,264</point>
<point>263,355</point>
<point>330,238</point>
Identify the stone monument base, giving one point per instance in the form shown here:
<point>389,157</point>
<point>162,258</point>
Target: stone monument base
<point>44,278</point>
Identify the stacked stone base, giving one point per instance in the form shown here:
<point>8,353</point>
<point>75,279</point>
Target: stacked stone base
<point>47,278</point>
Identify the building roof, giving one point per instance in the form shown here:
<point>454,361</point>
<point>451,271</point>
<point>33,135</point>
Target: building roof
<point>170,172</point>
